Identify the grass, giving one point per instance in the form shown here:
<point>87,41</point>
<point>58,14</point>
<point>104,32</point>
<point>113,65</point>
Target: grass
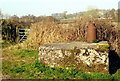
<point>19,63</point>
<point>5,44</point>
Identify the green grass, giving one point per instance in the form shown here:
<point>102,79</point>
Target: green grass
<point>5,44</point>
<point>24,64</point>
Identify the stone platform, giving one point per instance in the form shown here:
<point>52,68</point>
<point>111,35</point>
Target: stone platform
<point>87,57</point>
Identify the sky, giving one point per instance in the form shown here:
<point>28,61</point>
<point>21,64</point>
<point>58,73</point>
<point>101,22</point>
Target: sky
<point>47,7</point>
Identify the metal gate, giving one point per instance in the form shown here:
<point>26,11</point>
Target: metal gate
<point>23,33</point>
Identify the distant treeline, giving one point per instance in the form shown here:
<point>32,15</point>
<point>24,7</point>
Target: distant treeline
<point>92,13</point>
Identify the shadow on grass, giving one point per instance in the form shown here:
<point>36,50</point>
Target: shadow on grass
<point>114,62</point>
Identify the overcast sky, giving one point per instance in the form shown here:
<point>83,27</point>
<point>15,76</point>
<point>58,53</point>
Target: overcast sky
<point>47,7</point>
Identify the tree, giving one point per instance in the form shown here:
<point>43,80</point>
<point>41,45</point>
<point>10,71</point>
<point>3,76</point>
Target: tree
<point>113,14</point>
<point>92,13</point>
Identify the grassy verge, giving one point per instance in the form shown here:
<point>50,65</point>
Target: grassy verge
<point>21,63</point>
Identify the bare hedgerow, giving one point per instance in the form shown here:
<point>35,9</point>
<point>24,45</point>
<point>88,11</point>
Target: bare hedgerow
<point>49,31</point>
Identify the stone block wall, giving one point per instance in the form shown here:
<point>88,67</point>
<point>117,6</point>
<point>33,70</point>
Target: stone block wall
<point>87,57</point>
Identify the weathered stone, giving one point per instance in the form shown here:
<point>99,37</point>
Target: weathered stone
<point>78,54</point>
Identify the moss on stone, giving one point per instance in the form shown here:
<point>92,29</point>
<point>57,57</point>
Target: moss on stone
<point>69,61</point>
<point>103,47</point>
<point>74,51</point>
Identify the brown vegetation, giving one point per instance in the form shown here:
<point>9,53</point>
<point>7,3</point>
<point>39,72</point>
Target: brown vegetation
<point>50,31</point>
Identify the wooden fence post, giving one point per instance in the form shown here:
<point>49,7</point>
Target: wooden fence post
<point>17,39</point>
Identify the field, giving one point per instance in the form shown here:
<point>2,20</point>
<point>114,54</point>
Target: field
<point>22,63</point>
<point>20,57</point>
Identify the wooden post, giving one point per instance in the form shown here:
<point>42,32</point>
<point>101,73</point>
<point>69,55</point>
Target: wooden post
<point>17,39</point>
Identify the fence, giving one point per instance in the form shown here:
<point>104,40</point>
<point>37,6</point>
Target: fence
<point>23,33</point>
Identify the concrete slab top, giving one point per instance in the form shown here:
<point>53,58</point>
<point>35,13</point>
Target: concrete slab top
<point>72,45</point>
